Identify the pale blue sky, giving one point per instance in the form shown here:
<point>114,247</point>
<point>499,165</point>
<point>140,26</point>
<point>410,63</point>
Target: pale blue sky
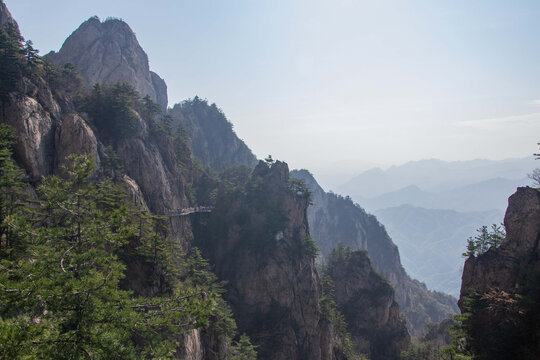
<point>334,86</point>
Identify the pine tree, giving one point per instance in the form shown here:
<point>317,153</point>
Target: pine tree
<point>12,194</point>
<point>31,54</point>
<point>243,349</point>
<point>64,301</point>
<point>10,63</point>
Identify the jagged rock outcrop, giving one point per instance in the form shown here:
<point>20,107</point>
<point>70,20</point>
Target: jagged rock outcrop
<point>48,126</point>
<point>500,288</point>
<point>502,267</point>
<point>47,132</point>
<point>75,137</point>
<point>211,137</point>
<point>151,161</point>
<point>34,127</point>
<point>134,192</point>
<point>160,87</point>
<point>334,219</point>
<point>259,246</point>
<point>108,52</point>
<point>366,300</point>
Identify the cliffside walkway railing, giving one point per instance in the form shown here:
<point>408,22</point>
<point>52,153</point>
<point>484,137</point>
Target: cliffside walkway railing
<point>188,211</point>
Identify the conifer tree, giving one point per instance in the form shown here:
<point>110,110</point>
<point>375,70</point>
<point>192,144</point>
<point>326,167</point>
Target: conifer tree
<point>10,63</point>
<point>63,300</point>
<point>31,54</point>
<point>12,194</point>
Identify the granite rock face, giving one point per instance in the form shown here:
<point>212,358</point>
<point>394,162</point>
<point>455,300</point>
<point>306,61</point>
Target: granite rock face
<point>75,137</point>
<point>500,288</point>
<point>366,300</point>
<point>160,87</point>
<point>257,245</point>
<point>108,52</point>
<point>151,161</point>
<point>501,267</point>
<point>334,219</point>
<point>34,127</point>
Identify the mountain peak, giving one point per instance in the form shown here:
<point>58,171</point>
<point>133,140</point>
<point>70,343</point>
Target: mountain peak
<point>108,52</point>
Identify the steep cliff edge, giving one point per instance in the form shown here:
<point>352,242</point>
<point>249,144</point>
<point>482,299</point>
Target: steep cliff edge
<point>366,300</point>
<point>334,219</point>
<point>257,238</point>
<point>500,289</point>
<point>108,52</point>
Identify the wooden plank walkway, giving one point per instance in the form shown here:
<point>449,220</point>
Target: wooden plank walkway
<point>188,211</point>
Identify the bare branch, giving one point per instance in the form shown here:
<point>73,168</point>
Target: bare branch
<point>62,260</point>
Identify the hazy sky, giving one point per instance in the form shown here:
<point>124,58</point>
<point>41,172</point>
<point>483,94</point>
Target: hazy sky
<point>335,86</point>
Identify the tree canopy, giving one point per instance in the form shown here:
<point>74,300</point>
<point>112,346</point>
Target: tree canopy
<point>63,293</point>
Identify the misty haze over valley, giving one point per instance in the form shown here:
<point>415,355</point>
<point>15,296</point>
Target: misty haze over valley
<point>269,180</point>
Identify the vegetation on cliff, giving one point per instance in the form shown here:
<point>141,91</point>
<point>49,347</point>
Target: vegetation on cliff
<point>212,138</point>
<point>19,60</point>
<point>62,275</point>
<point>485,239</point>
<point>65,254</point>
<point>11,59</point>
<point>500,289</point>
<point>364,301</point>
<point>85,272</point>
<point>258,241</point>
<point>334,219</point>
<point>336,318</point>
<point>63,259</point>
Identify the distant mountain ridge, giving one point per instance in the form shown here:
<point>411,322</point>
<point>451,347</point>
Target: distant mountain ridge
<point>431,207</point>
<point>486,195</point>
<point>433,175</point>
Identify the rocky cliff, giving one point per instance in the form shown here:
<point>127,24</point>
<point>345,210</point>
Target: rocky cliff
<point>257,239</point>
<point>108,52</point>
<point>211,136</point>
<point>500,289</point>
<point>5,17</point>
<point>366,300</point>
<point>334,219</point>
<point>48,127</point>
